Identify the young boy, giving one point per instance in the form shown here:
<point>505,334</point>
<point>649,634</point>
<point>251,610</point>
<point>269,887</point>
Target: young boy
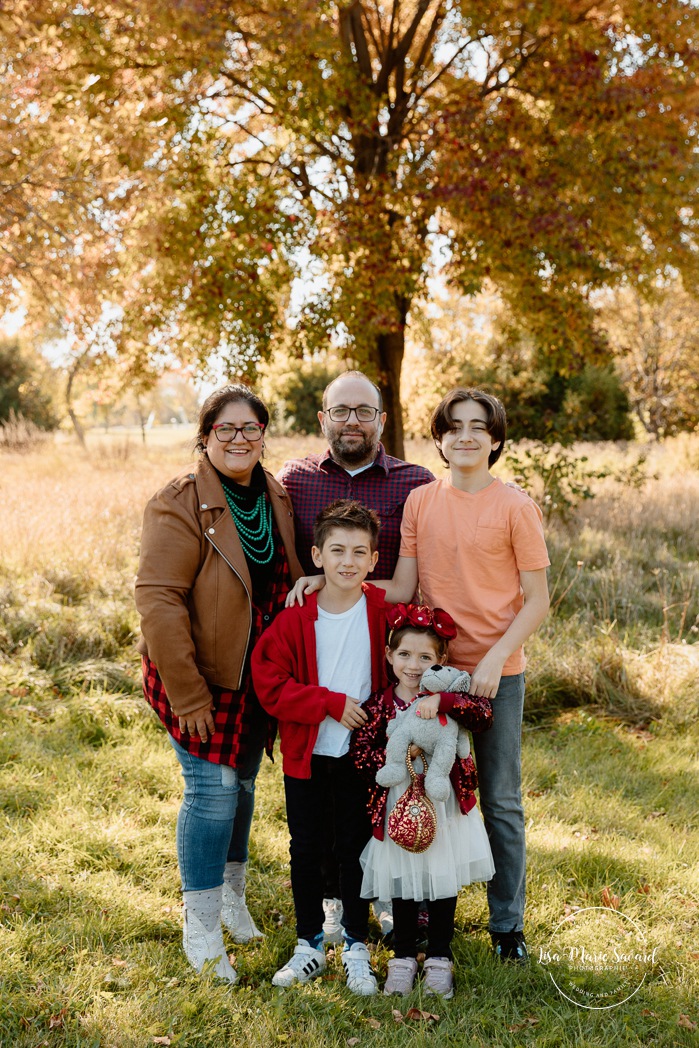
<point>477,547</point>
<point>313,668</point>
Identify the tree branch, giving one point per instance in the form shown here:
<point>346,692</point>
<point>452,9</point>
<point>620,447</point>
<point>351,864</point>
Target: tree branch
<point>429,37</point>
<point>369,28</point>
<point>353,15</point>
<point>253,95</point>
<point>515,71</point>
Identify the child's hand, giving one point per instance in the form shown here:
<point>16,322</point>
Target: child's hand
<point>353,715</point>
<point>485,679</point>
<point>306,584</point>
<point>428,708</point>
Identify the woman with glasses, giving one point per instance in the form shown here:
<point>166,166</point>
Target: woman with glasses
<point>217,559</point>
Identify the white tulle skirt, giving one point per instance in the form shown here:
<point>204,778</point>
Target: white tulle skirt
<point>460,854</point>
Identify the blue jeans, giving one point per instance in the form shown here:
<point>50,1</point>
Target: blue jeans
<point>213,825</point>
<point>498,754</point>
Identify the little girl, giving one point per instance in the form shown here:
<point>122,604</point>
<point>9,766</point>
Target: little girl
<point>460,853</point>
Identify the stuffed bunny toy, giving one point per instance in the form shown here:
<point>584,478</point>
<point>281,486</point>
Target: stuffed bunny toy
<point>441,738</point>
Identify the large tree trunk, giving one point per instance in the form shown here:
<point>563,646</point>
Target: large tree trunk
<point>390,349</point>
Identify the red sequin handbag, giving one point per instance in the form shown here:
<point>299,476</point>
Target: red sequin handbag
<point>412,823</point>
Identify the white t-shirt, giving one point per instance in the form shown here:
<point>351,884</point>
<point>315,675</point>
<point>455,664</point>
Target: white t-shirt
<point>343,651</point>
<point>362,469</point>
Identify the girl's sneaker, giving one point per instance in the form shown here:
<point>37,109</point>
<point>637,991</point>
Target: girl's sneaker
<point>438,977</point>
<point>401,976</point>
<point>304,964</point>
<point>360,978</point>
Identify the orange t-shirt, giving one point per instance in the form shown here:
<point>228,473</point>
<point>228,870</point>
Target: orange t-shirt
<point>470,549</point>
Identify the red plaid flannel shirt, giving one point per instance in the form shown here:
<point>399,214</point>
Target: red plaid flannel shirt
<point>317,480</point>
<point>241,723</point>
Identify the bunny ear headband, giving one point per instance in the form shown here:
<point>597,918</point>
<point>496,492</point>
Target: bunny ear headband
<point>422,617</point>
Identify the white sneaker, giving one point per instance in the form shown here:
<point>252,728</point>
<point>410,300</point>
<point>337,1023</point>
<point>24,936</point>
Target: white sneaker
<point>438,977</point>
<point>383,911</point>
<point>360,978</point>
<point>304,964</point>
<point>206,949</point>
<point>332,925</point>
<point>401,976</point>
<point>236,916</point>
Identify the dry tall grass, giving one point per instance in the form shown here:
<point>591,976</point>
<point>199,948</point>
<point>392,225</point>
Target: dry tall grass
<point>624,576</point>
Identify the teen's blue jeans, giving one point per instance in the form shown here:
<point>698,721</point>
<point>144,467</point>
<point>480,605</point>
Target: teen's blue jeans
<point>498,754</point>
<point>213,825</point>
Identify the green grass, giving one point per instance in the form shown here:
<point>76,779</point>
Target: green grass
<point>90,920</point>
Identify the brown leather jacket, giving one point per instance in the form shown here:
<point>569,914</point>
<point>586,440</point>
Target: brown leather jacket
<point>193,585</point>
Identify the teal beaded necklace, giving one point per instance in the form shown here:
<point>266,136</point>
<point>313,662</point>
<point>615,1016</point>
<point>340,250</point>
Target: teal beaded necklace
<point>254,526</point>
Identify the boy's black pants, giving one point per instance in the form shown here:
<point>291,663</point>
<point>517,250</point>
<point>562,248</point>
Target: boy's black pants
<point>333,791</point>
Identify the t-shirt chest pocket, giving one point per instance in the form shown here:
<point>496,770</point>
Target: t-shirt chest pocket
<point>492,536</point>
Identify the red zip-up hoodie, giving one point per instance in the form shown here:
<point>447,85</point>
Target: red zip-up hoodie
<point>285,675</point>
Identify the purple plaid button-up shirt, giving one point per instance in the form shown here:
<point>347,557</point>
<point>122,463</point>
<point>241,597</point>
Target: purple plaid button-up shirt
<point>315,481</point>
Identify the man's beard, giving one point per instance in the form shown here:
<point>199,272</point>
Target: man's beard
<point>356,452</point>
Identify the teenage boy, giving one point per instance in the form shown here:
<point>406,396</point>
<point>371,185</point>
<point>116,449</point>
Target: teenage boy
<point>477,546</point>
<point>313,668</point>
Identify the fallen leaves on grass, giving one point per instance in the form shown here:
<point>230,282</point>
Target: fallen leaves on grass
<point>685,1021</point>
<point>531,1020</point>
<point>58,1020</point>
<point>420,1016</point>
<point>374,1023</point>
<point>609,900</point>
<point>397,1015</point>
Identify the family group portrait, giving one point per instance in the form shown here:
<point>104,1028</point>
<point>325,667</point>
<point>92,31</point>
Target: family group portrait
<point>349,487</point>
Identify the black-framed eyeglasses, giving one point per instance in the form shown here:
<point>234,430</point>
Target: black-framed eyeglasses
<point>341,413</point>
<point>225,432</point>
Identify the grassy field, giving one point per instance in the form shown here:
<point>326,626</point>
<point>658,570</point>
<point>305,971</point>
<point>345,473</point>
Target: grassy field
<point>90,920</point>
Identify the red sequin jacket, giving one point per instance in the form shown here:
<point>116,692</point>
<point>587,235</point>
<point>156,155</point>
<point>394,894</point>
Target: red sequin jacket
<point>368,748</point>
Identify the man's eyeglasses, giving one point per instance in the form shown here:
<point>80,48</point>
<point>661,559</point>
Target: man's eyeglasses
<point>341,413</point>
<point>225,432</point>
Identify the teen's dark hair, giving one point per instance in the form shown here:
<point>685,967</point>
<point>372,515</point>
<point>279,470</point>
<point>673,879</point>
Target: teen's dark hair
<point>351,374</point>
<point>347,514</point>
<point>217,401</point>
<point>395,638</point>
<point>496,419</point>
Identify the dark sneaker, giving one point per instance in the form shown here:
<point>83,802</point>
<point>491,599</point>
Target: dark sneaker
<point>510,946</point>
